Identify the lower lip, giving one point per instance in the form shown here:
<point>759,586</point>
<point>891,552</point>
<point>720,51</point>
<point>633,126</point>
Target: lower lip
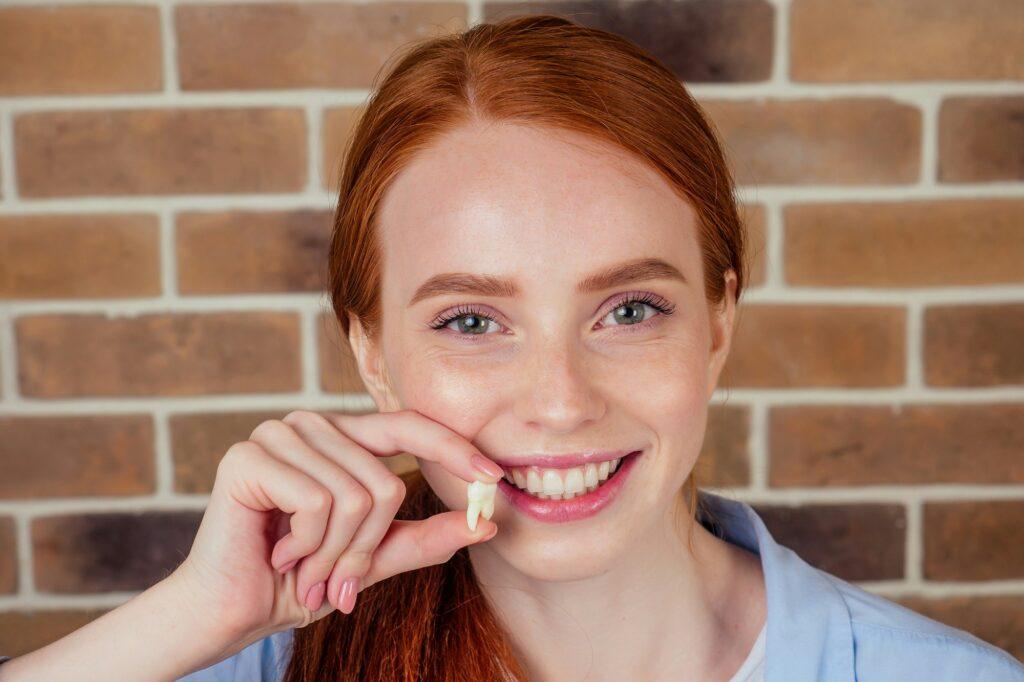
<point>579,507</point>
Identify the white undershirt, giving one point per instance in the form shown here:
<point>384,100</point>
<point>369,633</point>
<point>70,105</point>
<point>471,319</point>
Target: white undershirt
<point>752,669</point>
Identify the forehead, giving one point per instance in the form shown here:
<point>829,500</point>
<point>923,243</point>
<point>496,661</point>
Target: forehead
<point>526,201</point>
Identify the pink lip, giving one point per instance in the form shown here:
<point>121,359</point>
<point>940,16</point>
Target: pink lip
<point>572,459</point>
<point>579,507</point>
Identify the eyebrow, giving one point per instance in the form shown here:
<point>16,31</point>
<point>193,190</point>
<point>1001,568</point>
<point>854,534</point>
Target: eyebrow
<point>637,270</point>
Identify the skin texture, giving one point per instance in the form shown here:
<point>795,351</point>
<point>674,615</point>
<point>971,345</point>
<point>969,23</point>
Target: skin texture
<point>619,595</point>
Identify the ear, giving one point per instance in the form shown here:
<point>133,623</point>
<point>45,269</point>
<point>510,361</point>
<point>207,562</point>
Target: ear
<point>722,318</point>
<point>372,370</point>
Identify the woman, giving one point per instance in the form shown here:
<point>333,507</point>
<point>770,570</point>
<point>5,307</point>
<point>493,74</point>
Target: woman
<point>537,259</point>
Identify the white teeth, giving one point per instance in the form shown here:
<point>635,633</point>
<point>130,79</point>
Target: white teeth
<point>553,484</point>
<point>602,470</point>
<point>574,481</point>
<point>563,484</point>
<point>533,483</point>
<point>614,465</point>
<point>481,499</point>
<point>518,478</point>
<point>590,476</point>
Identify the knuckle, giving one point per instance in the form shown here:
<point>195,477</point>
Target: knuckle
<point>319,499</point>
<point>305,418</point>
<point>356,503</point>
<point>239,454</point>
<point>392,491</point>
<point>269,428</point>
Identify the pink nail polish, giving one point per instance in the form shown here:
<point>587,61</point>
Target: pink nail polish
<point>487,466</point>
<point>315,596</point>
<point>348,594</point>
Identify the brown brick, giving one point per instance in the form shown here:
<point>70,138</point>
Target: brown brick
<point>338,125</point>
<point>58,50</point>
<point>852,40</point>
<point>228,252</point>
<point>100,256</point>
<point>8,560</point>
<point>700,41</point>
<point>981,139</point>
<point>158,354</point>
<point>22,632</point>
<point>160,151</point>
<point>756,220</point>
<point>906,243</point>
<point>725,460</point>
<point>839,445</point>
<point>852,541</point>
<point>834,141</point>
<point>995,619</point>
<point>300,45</point>
<point>781,345</point>
<point>974,345</point>
<point>981,540</point>
<point>76,455</point>
<point>339,372</point>
<point>106,552</point>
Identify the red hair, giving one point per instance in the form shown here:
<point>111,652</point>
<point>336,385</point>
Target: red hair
<point>540,69</point>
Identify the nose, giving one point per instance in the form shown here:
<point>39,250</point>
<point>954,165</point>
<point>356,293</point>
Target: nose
<point>557,390</point>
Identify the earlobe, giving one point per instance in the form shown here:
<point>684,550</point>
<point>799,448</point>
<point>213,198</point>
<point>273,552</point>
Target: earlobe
<point>368,361</point>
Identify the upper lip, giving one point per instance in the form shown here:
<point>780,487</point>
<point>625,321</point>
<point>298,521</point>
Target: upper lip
<point>562,461</point>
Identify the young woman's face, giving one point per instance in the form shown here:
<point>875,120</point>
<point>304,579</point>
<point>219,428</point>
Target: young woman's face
<point>550,369</point>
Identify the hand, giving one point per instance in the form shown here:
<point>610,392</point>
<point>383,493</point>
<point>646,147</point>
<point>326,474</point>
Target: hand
<point>310,491</point>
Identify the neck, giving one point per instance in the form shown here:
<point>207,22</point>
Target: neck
<point>665,610</point>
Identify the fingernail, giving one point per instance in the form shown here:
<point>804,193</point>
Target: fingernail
<point>348,594</point>
<point>487,466</point>
<point>315,596</point>
<point>288,566</point>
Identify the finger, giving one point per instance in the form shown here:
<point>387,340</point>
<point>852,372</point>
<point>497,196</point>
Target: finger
<point>385,488</point>
<point>350,502</point>
<point>392,433</point>
<point>409,545</point>
<point>261,482</point>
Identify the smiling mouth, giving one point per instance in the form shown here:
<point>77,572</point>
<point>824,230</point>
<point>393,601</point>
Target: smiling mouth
<point>564,483</point>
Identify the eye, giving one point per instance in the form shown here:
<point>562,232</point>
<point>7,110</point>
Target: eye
<point>471,322</point>
<point>630,310</point>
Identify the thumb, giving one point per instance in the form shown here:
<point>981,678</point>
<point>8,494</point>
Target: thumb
<point>409,545</point>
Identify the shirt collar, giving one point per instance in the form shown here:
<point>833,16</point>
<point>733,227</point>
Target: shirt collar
<point>809,636</point>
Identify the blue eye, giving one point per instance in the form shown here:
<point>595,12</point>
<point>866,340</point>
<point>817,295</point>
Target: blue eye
<point>472,322</point>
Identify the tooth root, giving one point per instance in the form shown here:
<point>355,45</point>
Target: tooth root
<point>472,514</point>
<point>488,508</point>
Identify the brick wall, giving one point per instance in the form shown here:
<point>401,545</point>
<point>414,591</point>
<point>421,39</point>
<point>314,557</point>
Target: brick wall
<point>165,200</point>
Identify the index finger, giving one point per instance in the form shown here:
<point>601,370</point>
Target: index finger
<point>391,433</point>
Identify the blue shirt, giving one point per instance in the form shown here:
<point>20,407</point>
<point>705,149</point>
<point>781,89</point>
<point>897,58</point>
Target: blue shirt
<point>819,628</point>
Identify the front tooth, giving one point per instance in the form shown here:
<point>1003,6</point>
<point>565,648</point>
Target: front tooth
<point>574,481</point>
<point>553,483</point>
<point>602,470</point>
<point>590,476</point>
<point>533,482</point>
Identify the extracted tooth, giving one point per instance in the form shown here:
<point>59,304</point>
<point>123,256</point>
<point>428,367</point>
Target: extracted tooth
<point>481,499</point>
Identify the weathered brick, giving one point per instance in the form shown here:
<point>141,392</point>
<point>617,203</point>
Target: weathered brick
<point>100,256</point>
<point>852,541</point>
<point>105,552</point>
<point>158,354</point>
<point>337,126</point>
<point>834,141</point>
<point>25,631</point>
<point>8,560</point>
<point>160,151</point>
<point>905,243</point>
<point>725,459</point>
<point>300,45</point>
<point>974,345</point>
<point>839,445</point>
<point>76,455</point>
<point>339,372</point>
<point>981,139</point>
<point>700,41</point>
<point>782,345</point>
<point>225,252</point>
<point>975,540</point>
<point>58,50</point>
<point>995,619</point>
<point>854,40</point>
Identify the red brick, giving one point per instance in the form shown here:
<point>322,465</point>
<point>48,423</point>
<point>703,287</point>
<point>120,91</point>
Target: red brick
<point>64,356</point>
<point>907,243</point>
<point>76,455</point>
<point>855,41</point>
<point>781,346</point>
<point>976,540</point>
<point>102,255</point>
<point>8,560</point>
<point>58,50</point>
<point>834,141</point>
<point>995,619</point>
<point>725,458</point>
<point>974,345</point>
<point>243,46</point>
<point>160,151</point>
<point>846,445</point>
<point>981,139</point>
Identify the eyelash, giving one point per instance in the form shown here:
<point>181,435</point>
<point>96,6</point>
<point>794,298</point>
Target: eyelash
<point>656,302</point>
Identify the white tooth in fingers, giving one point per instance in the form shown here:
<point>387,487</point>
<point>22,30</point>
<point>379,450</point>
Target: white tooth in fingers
<point>553,484</point>
<point>615,465</point>
<point>602,470</point>
<point>481,499</point>
<point>590,475</point>
<point>488,507</point>
<point>472,514</point>
<point>518,478</point>
<point>574,480</point>
<point>533,482</point>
